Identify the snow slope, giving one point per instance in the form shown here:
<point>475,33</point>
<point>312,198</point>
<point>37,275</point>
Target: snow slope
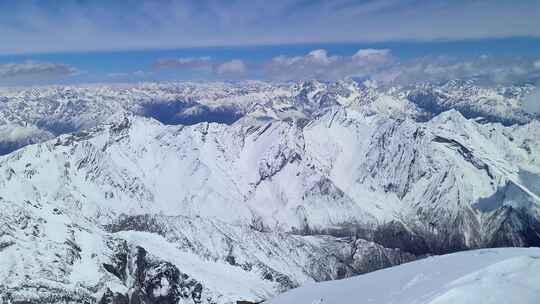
<point>490,276</point>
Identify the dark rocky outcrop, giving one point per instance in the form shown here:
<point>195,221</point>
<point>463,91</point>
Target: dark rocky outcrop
<point>150,280</point>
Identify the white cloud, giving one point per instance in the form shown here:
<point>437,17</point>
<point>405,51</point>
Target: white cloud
<point>319,65</point>
<point>376,64</point>
<point>536,64</point>
<point>234,66</point>
<point>317,57</point>
<point>320,56</point>
<point>124,75</point>
<point>371,55</point>
<point>33,69</point>
<point>187,63</point>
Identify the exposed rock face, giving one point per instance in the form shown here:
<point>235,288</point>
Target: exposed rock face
<point>245,248</point>
<point>154,281</point>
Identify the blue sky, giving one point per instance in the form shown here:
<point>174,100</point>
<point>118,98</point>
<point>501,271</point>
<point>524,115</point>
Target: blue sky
<point>116,41</point>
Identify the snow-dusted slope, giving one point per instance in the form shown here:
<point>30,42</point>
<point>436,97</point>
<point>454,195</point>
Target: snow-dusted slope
<point>188,192</point>
<point>51,253</point>
<point>490,276</point>
<point>341,170</point>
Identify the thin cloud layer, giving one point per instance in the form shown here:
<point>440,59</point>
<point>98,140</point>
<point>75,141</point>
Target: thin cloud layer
<point>131,75</point>
<point>32,69</point>
<point>63,26</point>
<point>185,63</point>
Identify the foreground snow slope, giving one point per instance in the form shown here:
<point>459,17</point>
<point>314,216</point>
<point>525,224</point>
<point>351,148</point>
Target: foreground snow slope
<point>488,276</point>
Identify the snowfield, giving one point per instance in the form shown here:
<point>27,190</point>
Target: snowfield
<point>487,276</point>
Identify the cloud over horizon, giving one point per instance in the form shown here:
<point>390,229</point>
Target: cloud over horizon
<point>318,64</point>
<point>380,65</point>
<point>315,64</point>
<point>34,70</point>
<point>376,64</point>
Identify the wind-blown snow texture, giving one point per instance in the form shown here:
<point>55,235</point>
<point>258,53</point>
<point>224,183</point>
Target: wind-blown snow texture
<point>490,276</point>
<point>216,193</point>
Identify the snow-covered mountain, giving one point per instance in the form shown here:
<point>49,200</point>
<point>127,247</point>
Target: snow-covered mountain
<point>217,192</point>
<point>490,276</point>
<point>29,115</point>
